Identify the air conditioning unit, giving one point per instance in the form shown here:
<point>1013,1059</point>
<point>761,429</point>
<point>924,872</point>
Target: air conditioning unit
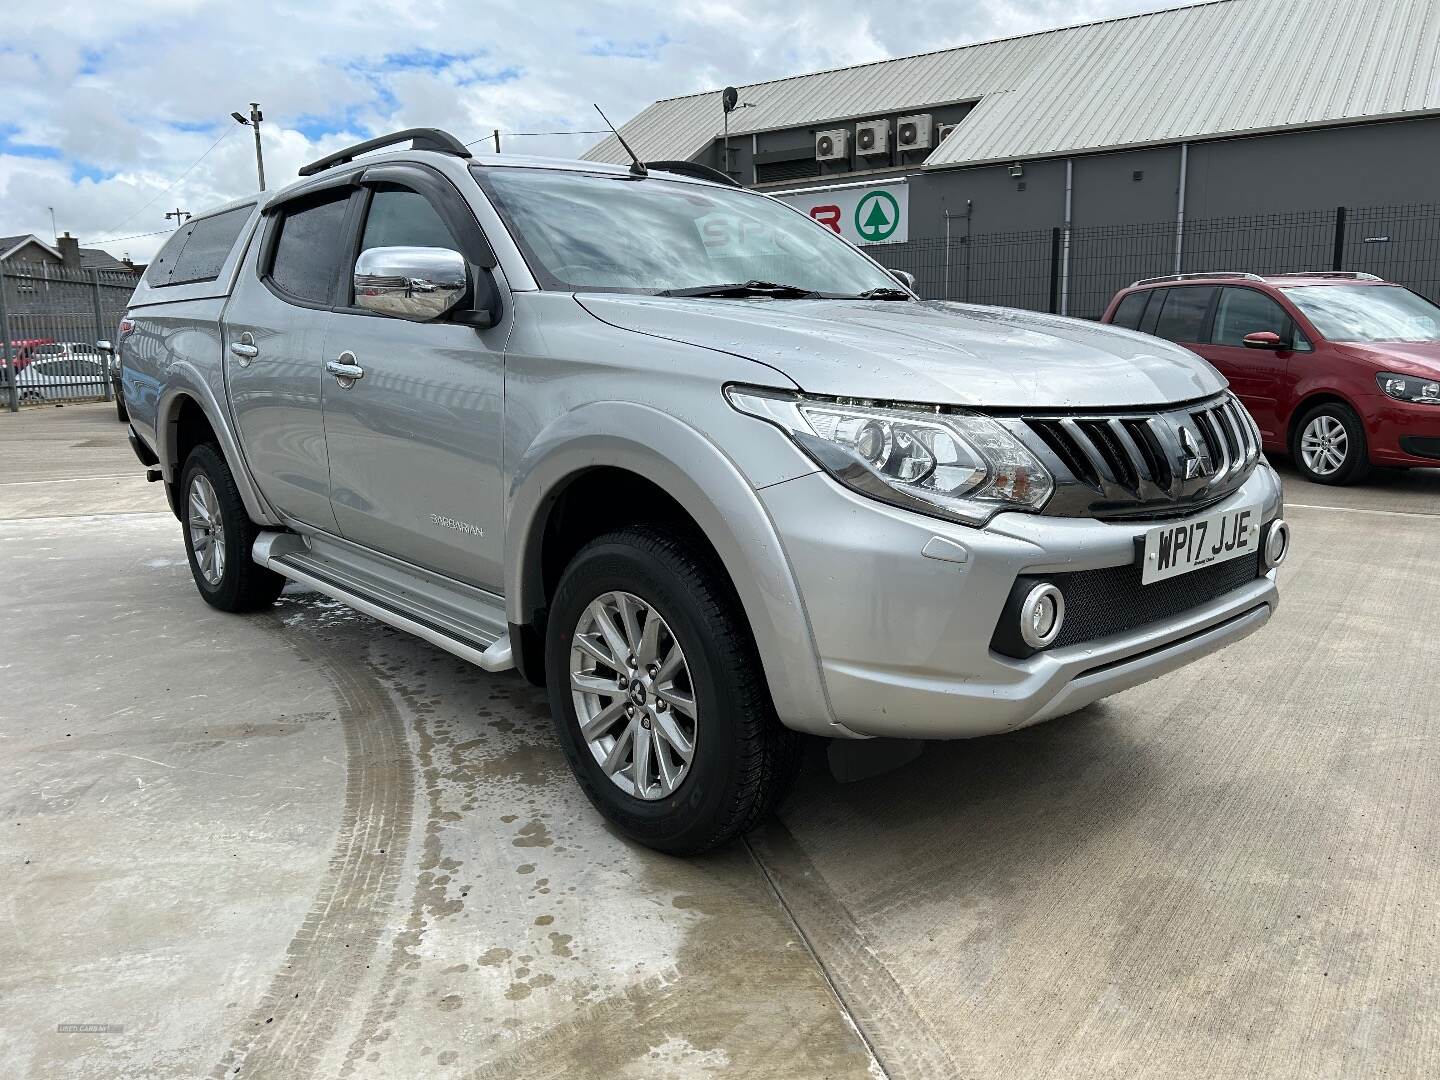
<point>914,132</point>
<point>943,132</point>
<point>832,145</point>
<point>872,138</point>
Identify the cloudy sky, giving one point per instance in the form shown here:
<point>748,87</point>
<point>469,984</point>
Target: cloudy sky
<point>112,110</point>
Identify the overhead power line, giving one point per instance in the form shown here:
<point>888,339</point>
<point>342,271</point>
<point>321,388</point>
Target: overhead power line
<point>507,134</point>
<point>132,236</point>
<point>160,195</point>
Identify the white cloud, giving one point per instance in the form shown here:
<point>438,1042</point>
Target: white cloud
<point>107,104</point>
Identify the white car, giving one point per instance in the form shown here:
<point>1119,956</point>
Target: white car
<point>64,371</point>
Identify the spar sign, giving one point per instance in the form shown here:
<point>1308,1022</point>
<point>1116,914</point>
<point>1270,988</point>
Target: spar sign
<point>864,213</point>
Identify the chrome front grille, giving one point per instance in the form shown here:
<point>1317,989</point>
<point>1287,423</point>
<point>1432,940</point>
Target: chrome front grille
<point>1145,463</point>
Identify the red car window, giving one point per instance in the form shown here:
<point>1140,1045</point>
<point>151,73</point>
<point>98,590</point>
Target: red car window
<point>1130,309</point>
<point>1184,314</point>
<point>1247,311</point>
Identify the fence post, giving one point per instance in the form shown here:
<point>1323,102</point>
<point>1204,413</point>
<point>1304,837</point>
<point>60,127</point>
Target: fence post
<point>8,355</point>
<point>100,328</point>
<point>945,293</point>
<point>1055,270</point>
<point>1337,262</point>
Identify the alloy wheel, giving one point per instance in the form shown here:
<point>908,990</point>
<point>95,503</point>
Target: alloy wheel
<point>207,529</point>
<point>633,696</point>
<point>1324,445</point>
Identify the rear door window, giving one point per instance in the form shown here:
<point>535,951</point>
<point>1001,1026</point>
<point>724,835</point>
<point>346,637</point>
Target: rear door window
<point>1130,310</point>
<point>1186,311</point>
<point>1152,311</point>
<point>307,258</point>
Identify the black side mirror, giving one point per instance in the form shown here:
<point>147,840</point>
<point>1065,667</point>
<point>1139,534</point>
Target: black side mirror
<point>485,310</point>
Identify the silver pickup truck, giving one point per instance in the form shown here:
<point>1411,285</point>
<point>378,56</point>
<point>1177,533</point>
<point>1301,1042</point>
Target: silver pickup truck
<point>701,467</point>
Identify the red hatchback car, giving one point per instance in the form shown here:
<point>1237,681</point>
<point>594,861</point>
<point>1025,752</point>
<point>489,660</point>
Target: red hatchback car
<point>1339,370</point>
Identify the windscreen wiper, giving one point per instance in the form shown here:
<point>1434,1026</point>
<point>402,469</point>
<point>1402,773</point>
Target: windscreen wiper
<point>746,288</point>
<point>884,292</point>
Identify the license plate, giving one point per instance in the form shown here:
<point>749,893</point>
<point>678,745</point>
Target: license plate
<point>1172,550</point>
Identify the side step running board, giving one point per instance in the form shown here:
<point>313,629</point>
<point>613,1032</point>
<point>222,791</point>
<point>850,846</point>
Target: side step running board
<point>280,552</point>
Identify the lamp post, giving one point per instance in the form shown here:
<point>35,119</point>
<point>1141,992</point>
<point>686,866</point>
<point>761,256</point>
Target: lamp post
<point>729,102</point>
<point>253,122</point>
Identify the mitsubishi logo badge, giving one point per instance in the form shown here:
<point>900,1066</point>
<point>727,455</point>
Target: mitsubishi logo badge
<point>1194,465</point>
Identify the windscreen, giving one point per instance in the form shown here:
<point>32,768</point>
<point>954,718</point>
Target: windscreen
<point>1367,312</point>
<point>588,231</point>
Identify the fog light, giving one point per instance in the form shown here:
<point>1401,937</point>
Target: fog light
<point>1277,543</point>
<point>1041,616</point>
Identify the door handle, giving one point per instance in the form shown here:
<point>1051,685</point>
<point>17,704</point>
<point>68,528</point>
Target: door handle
<point>245,348</point>
<point>345,370</point>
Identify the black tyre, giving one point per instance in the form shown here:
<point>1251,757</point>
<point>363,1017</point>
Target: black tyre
<point>219,534</point>
<point>121,413</point>
<point>658,695</point>
<point>1328,445</point>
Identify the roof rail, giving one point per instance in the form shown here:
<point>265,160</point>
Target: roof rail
<point>1189,277</point>
<point>419,138</point>
<point>694,170</point>
<point>1346,275</point>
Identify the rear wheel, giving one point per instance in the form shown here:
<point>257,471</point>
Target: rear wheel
<point>219,535</point>
<point>1329,445</point>
<point>657,693</point>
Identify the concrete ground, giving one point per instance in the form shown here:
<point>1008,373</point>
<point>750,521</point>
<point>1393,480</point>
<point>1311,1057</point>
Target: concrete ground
<point>300,844</point>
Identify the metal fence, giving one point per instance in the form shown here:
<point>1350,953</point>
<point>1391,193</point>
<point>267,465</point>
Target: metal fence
<point>1077,271</point>
<point>50,319</point>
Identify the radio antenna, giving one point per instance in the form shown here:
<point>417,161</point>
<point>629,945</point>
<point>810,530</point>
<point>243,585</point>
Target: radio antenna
<point>636,167</point>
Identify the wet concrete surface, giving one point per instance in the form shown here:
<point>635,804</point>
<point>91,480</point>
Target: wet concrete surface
<point>300,844</point>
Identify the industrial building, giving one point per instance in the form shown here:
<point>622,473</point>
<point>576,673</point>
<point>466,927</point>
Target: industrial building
<point>1272,112</point>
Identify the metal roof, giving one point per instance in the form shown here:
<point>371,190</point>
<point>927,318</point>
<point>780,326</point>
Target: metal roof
<point>1226,67</point>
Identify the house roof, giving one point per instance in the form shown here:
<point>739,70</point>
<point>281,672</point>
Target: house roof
<point>1226,67</point>
<point>9,245</point>
<point>96,259</point>
<point>90,258</point>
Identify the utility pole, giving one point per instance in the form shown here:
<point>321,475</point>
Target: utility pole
<point>179,216</point>
<point>253,122</point>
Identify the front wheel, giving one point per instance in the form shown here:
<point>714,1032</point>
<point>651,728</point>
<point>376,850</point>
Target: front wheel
<point>219,535</point>
<point>1329,445</point>
<point>657,693</point>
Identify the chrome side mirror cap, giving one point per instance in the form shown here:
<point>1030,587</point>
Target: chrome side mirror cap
<point>905,278</point>
<point>418,284</point>
<point>104,346</point>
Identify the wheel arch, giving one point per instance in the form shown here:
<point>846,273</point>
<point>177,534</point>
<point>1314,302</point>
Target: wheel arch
<point>186,414</point>
<point>639,448</point>
<point>1308,401</point>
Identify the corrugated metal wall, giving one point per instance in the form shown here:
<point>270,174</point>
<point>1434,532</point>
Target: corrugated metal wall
<point>1226,67</point>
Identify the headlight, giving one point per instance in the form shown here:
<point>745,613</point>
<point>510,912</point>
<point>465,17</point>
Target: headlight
<point>1409,388</point>
<point>959,465</point>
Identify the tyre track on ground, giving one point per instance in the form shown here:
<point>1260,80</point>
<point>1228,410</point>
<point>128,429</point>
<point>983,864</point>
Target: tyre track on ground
<point>896,1033</point>
<point>298,1016</point>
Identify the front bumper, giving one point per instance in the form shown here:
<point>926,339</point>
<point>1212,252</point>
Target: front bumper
<point>1403,433</point>
<point>904,638</point>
